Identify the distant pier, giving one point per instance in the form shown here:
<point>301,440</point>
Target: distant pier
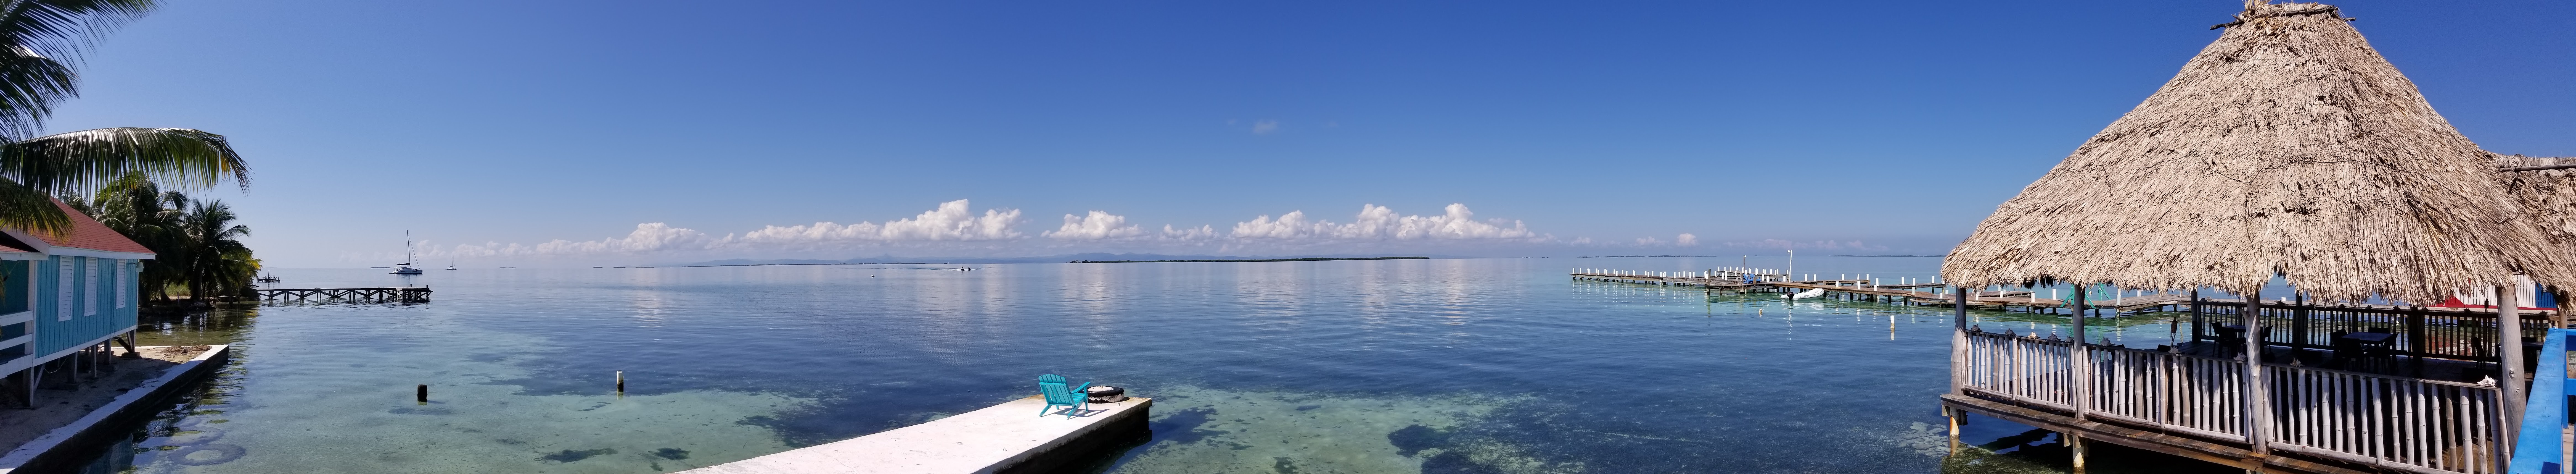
<point>1870,290</point>
<point>391,293</point>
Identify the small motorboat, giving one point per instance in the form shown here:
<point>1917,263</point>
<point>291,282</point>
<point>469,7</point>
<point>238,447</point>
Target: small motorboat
<point>1811,293</point>
<point>270,279</point>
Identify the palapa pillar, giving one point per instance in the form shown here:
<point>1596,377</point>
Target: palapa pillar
<point>2079,361</point>
<point>2258,395</point>
<point>1959,341</point>
<point>2509,337</point>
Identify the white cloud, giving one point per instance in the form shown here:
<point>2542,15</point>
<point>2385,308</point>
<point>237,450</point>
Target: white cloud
<point>954,228</point>
<point>1264,127</point>
<point>647,238</point>
<point>1649,241</point>
<point>1686,240</point>
<point>1376,222</point>
<point>1778,244</point>
<point>1200,233</point>
<point>952,221</point>
<point>1097,226</point>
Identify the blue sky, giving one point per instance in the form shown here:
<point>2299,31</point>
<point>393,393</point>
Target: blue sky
<point>1876,127</point>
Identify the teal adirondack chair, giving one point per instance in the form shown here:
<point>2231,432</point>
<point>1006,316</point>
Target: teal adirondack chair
<point>1052,386</point>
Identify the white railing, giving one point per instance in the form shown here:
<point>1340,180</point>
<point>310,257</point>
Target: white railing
<point>2382,420</point>
<point>2394,423</point>
<point>2026,368</point>
<point>2200,395</point>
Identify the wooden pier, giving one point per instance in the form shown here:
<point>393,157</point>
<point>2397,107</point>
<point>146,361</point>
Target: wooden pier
<point>1009,438</point>
<point>392,293</point>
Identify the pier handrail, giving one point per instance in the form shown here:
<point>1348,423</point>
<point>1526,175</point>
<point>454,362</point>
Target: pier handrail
<point>2538,448</point>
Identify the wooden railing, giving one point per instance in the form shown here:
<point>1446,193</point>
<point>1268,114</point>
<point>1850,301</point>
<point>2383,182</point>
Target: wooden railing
<point>2025,368</point>
<point>2194,394</point>
<point>2392,423</point>
<point>2437,333</point>
<point>2384,421</point>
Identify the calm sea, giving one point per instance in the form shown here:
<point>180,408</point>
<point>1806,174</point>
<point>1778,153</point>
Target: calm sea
<point>1429,366</point>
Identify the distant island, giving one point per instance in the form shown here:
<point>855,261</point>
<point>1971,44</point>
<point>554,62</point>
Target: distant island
<point>818,263</point>
<point>1944,255</point>
<point>1645,256</point>
<point>1309,259</point>
<point>1061,258</point>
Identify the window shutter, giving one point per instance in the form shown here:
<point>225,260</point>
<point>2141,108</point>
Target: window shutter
<point>89,286</point>
<point>63,288</point>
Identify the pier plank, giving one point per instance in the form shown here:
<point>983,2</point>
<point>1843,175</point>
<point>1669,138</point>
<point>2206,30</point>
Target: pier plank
<point>997,439</point>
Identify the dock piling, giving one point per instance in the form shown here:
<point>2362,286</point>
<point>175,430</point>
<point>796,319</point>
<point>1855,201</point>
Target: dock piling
<point>421,394</point>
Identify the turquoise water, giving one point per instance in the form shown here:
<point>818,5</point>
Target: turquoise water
<point>1448,365</point>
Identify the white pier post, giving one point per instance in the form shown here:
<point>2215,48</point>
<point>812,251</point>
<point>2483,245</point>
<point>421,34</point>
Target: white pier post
<point>2258,396</point>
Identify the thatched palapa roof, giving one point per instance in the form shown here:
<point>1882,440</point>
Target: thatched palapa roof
<point>2547,195</point>
<point>2287,147</point>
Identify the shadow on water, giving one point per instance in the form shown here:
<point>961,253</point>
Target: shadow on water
<point>187,433</point>
<point>170,437</point>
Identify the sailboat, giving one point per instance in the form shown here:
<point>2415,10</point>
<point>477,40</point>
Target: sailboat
<point>405,268</point>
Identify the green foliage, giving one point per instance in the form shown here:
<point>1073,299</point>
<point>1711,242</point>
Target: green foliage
<point>197,243</point>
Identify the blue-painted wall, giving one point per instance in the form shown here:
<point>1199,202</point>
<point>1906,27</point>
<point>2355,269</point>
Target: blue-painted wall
<point>55,331</point>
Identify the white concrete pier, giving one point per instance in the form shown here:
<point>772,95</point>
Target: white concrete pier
<point>1004,438</point>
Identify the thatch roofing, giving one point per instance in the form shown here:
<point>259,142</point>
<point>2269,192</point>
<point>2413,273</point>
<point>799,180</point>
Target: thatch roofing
<point>2547,197</point>
<point>2287,147</point>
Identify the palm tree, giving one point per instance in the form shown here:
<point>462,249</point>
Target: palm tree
<point>137,207</point>
<point>214,259</point>
<point>38,39</point>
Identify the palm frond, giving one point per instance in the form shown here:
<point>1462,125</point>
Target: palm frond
<point>92,158</point>
<point>30,85</point>
<point>23,207</point>
<point>37,40</point>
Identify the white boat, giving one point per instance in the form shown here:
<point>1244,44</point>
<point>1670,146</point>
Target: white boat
<point>1811,293</point>
<point>405,268</point>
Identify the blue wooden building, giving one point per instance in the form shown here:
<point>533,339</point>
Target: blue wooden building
<point>65,295</point>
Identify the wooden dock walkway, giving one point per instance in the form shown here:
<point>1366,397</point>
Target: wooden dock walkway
<point>397,293</point>
<point>1009,438</point>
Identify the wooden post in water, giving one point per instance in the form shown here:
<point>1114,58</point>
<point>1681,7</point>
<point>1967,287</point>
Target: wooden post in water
<point>621,383</point>
<point>2258,396</point>
<point>2075,442</point>
<point>2079,362</point>
<point>421,394</point>
<point>1953,415</point>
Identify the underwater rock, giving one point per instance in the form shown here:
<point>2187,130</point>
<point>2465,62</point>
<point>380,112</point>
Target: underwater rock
<point>207,455</point>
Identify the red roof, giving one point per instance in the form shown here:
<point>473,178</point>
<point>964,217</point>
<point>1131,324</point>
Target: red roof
<point>10,243</point>
<point>87,233</point>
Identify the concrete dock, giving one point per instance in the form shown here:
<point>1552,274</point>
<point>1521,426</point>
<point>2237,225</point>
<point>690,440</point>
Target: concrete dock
<point>1005,438</point>
<point>65,448</point>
